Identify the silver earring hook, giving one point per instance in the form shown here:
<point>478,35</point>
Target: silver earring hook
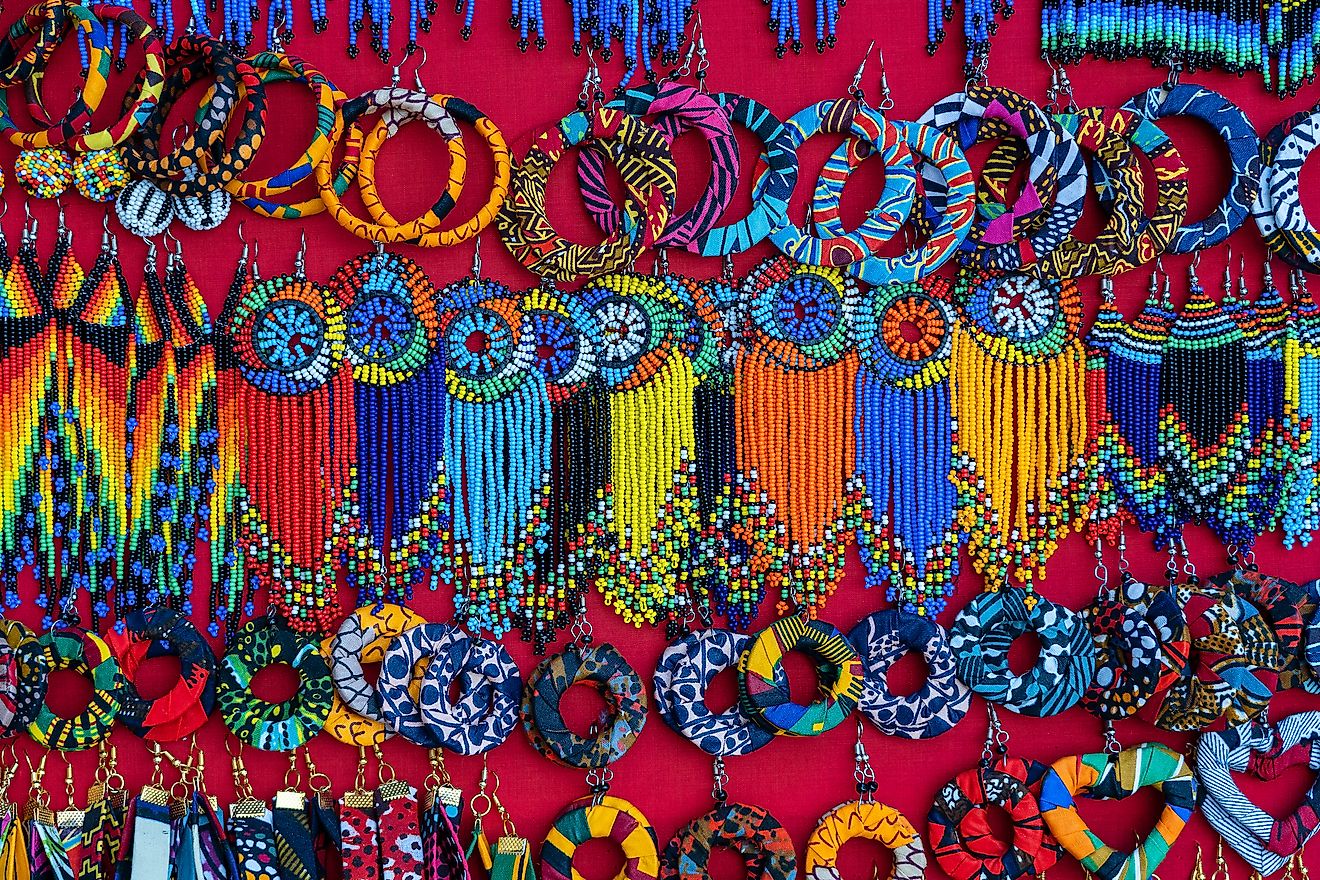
<point>300,260</point>
<point>855,89</point>
<point>886,96</point>
<point>417,71</point>
<point>476,258</point>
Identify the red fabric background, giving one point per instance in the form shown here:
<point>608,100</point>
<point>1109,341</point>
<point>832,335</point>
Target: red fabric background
<point>798,780</point>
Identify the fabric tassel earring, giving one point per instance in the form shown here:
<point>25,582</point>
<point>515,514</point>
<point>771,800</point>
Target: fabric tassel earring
<point>1124,360</point>
<point>652,512</point>
<point>497,448</point>
<point>743,545</point>
<point>904,430</point>
<point>399,401</point>
<point>794,387</point>
<point>96,854</point>
<point>566,344</point>
<point>441,817</point>
<point>1018,368</point>
<point>27,336</point>
<point>295,398</point>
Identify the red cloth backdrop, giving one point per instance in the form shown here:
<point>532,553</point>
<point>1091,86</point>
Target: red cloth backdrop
<point>669,779</point>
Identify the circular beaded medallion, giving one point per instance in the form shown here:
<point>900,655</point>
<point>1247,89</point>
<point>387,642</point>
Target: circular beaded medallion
<point>802,314</point>
<point>903,332</point>
<point>100,175</point>
<point>566,340</point>
<point>288,335</point>
<point>44,173</point>
<point>638,320</point>
<point>488,351</point>
<point>1038,316</point>
<point>389,316</point>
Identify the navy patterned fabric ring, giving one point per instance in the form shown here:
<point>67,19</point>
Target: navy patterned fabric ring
<point>1239,137</point>
<point>617,682</point>
<point>987,627</point>
<point>489,693</point>
<point>934,708</point>
<point>406,714</point>
<point>686,669</point>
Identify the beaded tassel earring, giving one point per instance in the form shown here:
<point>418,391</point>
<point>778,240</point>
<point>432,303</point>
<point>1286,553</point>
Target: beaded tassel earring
<point>94,381</point>
<point>1271,427</point>
<point>295,399</point>
<point>497,450</point>
<point>979,25</point>
<point>743,545</point>
<point>27,339</point>
<point>567,343</point>
<point>399,395</point>
<point>794,384</point>
<point>1301,389</point>
<point>377,17</point>
<point>646,30</point>
<point>904,431</point>
<point>230,597</point>
<point>786,22</point>
<point>652,511</point>
<point>1204,425</point>
<point>1018,368</point>
<point>1127,482</point>
<point>161,414</point>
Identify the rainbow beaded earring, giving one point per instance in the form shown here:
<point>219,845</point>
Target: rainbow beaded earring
<point>1301,393</point>
<point>26,322</point>
<point>794,387</point>
<point>399,401</point>
<point>497,449</point>
<point>567,345</point>
<point>1126,479</point>
<point>172,434</point>
<point>1018,368</point>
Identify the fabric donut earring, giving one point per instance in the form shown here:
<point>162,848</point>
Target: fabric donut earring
<point>392,345</point>
<point>962,839</point>
<point>297,469</point>
<point>795,388</point>
<point>904,338</point>
<point>274,726</point>
<point>497,451</point>
<point>936,707</point>
<point>1017,372</point>
<point>763,691</point>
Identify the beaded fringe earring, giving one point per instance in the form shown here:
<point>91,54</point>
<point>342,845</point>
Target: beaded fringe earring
<point>399,402</point>
<point>567,343</point>
<point>1127,482</point>
<point>231,593</point>
<point>652,510</point>
<point>904,429</point>
<point>1204,423</point>
<point>94,382</point>
<point>28,348</point>
<point>794,384</point>
<point>173,436</point>
<point>743,545</point>
<point>497,450</point>
<point>1301,391</point>
<point>295,400</point>
<point>1018,371</point>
